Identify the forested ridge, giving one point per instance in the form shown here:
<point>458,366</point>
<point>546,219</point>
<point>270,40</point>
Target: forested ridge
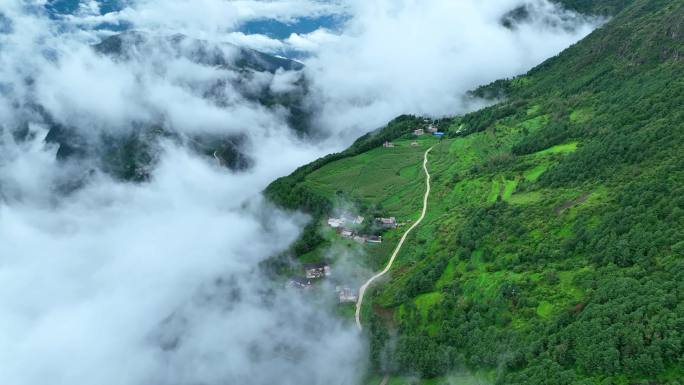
<point>553,251</point>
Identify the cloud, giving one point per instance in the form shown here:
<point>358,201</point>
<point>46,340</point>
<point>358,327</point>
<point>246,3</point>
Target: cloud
<point>106,282</point>
<point>312,42</point>
<point>99,285</point>
<point>206,17</point>
<point>410,56</point>
<point>157,282</point>
<point>256,41</point>
<point>67,90</point>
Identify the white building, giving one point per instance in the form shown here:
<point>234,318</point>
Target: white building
<point>345,219</point>
<point>346,295</point>
<point>390,222</point>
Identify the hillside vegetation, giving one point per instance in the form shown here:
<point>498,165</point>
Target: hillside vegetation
<point>553,248</point>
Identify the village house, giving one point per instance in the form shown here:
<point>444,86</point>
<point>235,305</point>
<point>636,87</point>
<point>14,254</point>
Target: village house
<point>388,223</point>
<point>418,132</point>
<point>299,283</point>
<point>374,239</point>
<point>388,145</point>
<point>315,271</point>
<point>346,294</point>
<point>335,222</point>
<point>346,233</point>
<point>432,128</point>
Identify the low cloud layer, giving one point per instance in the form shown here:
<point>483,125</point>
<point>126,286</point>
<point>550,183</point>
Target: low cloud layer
<point>110,282</point>
<point>154,283</point>
<point>422,57</point>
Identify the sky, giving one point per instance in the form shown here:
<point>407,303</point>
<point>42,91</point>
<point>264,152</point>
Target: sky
<point>158,282</point>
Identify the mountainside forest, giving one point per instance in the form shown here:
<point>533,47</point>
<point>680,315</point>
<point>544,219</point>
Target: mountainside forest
<point>553,247</point>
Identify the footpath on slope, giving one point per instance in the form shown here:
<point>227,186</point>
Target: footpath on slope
<point>365,286</point>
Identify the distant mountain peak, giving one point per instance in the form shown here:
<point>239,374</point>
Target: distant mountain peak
<point>222,54</point>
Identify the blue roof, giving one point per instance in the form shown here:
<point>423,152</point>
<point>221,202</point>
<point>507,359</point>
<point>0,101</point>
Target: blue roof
<point>438,134</point>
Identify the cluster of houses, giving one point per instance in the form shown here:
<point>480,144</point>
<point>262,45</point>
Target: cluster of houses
<point>339,224</point>
<point>343,227</point>
<point>431,128</point>
<point>353,235</point>
<point>314,272</point>
<point>348,233</point>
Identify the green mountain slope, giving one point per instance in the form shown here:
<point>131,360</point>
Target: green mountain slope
<point>553,249</point>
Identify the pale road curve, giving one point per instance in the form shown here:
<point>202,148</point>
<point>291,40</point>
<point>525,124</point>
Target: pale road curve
<point>365,286</point>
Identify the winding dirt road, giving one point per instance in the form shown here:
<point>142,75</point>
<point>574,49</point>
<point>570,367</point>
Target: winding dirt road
<point>365,286</point>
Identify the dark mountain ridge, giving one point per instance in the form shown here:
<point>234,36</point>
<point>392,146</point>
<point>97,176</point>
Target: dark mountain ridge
<point>225,55</point>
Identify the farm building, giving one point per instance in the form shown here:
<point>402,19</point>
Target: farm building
<point>388,145</point>
<point>418,132</point>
